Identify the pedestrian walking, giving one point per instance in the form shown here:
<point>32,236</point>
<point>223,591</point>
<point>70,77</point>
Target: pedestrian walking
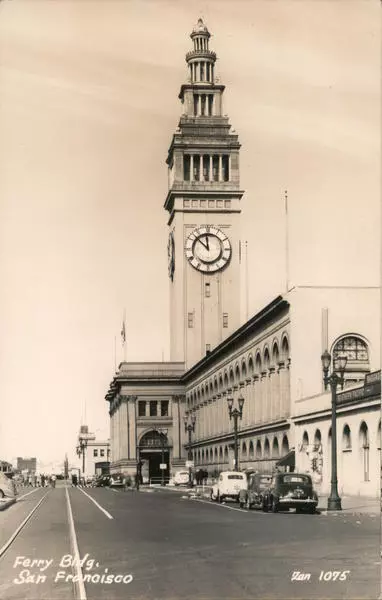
<point>53,479</point>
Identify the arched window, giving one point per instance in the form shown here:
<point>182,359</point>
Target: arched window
<point>346,438</point>
<point>275,354</point>
<point>243,370</point>
<point>251,450</point>
<point>317,437</point>
<point>285,445</point>
<point>266,448</point>
<point>244,450</point>
<point>357,353</point>
<point>258,449</point>
<point>226,454</point>
<point>285,350</point>
<point>364,449</point>
<point>305,440</point>
<point>275,448</point>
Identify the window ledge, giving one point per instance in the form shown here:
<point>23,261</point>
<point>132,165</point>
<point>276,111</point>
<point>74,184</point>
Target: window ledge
<point>346,449</point>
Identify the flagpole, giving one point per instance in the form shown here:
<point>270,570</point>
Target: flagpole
<point>123,334</point>
<point>286,242</point>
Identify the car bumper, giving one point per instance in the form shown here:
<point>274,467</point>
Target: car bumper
<point>295,502</point>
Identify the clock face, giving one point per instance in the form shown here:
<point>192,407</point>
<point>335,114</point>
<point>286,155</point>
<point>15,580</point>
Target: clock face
<point>208,249</point>
<point>171,255</point>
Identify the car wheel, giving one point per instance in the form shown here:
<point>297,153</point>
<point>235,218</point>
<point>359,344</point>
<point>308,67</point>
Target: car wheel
<point>312,510</point>
<point>220,498</point>
<point>212,497</point>
<point>248,505</point>
<point>298,510</point>
<point>275,506</point>
<point>2,495</point>
<point>242,504</point>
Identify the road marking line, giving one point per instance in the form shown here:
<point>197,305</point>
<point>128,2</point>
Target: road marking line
<point>222,505</point>
<point>9,542</point>
<point>25,495</point>
<point>79,582</point>
<point>98,505</point>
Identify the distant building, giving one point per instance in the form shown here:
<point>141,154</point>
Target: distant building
<point>91,451</point>
<point>5,467</point>
<point>26,464</point>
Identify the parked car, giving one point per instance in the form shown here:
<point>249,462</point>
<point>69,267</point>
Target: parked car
<point>290,490</point>
<point>228,485</point>
<point>181,478</point>
<point>116,480</point>
<point>7,486</point>
<point>102,481</point>
<point>253,495</point>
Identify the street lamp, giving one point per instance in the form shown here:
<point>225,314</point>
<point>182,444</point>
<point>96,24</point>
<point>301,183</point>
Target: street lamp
<point>80,449</point>
<point>162,434</point>
<point>234,414</point>
<point>190,428</point>
<point>339,364</point>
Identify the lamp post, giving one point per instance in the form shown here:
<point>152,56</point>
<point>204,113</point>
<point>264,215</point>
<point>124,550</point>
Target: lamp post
<point>189,427</point>
<point>339,364</point>
<point>234,414</point>
<point>162,434</point>
<point>80,449</point>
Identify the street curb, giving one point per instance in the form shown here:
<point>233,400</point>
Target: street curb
<point>7,503</point>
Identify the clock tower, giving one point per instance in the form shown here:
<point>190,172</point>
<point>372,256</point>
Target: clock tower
<point>203,203</point>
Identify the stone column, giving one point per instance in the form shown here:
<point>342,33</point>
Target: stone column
<point>123,428</point>
<point>249,402</point>
<point>201,176</point>
<point>256,399</point>
<point>176,427</point>
<point>191,167</point>
<point>132,427</point>
<point>220,168</point>
<point>271,394</point>
<point>210,173</point>
<point>147,408</point>
<point>264,399</point>
<point>199,105</point>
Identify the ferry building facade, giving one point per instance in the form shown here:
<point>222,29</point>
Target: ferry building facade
<point>272,361</point>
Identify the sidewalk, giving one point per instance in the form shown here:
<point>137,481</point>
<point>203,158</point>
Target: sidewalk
<point>352,505</point>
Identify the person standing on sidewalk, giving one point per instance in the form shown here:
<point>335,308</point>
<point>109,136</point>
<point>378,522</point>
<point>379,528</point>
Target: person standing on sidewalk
<point>53,481</point>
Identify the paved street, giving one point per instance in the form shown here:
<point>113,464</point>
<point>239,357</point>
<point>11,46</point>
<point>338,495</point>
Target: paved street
<point>165,545</point>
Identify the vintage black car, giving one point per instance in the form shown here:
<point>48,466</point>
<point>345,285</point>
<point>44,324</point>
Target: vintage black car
<point>290,490</point>
<point>102,481</point>
<point>253,495</point>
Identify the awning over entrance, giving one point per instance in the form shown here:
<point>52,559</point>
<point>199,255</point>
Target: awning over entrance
<point>289,460</point>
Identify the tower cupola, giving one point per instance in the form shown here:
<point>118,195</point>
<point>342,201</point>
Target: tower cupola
<point>201,59</point>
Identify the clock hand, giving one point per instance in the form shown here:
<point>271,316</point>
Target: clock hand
<point>203,244</point>
<point>208,245</point>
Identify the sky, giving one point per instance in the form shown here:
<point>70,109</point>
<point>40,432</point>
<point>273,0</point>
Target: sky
<point>88,105</point>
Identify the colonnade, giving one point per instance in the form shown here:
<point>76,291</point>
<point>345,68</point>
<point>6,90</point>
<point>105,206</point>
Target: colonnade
<point>204,105</point>
<point>267,399</point>
<point>207,167</point>
<point>202,71</point>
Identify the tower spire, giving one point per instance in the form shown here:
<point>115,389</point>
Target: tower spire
<point>201,60</point>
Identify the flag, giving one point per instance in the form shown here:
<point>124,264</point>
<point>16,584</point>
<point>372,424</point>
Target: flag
<point>123,332</point>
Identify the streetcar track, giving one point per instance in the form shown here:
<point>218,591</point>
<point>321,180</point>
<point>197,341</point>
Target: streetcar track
<point>8,543</point>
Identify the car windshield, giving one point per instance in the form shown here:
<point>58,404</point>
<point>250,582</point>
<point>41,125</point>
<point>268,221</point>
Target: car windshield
<point>297,479</point>
<point>235,477</point>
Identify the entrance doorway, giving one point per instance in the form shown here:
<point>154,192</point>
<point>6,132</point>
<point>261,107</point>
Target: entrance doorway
<point>151,461</point>
<point>154,450</point>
